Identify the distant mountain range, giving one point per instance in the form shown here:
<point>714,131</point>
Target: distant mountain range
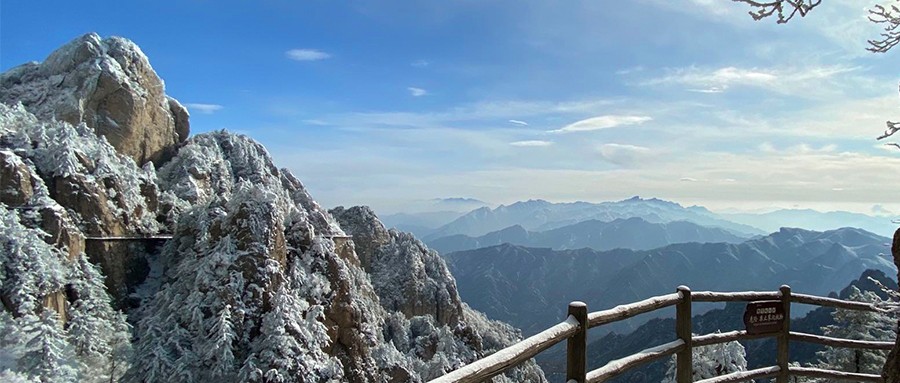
<point>815,220</point>
<point>528,287</point>
<point>760,353</point>
<point>444,217</point>
<point>626,233</point>
<point>540,215</point>
<point>431,214</point>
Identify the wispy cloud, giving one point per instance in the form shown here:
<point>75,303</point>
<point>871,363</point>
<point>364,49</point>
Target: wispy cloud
<point>531,143</point>
<point>601,122</point>
<point>204,108</point>
<point>715,89</point>
<point>623,154</point>
<point>419,63</point>
<point>518,122</point>
<point>688,179</point>
<point>306,54</point>
<point>417,92</point>
<point>782,80</point>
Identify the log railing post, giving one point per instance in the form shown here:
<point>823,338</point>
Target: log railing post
<point>576,346</point>
<point>783,354</point>
<point>684,370</point>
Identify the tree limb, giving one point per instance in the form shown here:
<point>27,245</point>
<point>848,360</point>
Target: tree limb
<point>890,17</point>
<point>783,10</point>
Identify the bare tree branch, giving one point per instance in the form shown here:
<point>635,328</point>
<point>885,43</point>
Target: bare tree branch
<point>892,127</point>
<point>890,17</point>
<point>784,10</point>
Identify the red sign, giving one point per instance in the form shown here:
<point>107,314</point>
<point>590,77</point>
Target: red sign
<point>764,317</point>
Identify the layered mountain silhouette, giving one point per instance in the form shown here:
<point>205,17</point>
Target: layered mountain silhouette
<point>625,233</point>
<point>529,287</point>
<point>540,215</point>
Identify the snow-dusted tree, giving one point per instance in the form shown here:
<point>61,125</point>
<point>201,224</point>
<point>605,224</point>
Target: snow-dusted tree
<point>47,352</point>
<point>99,334</point>
<point>713,360</point>
<point>859,325</point>
<point>290,344</point>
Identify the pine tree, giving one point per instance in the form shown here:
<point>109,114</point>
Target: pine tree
<point>99,334</point>
<point>219,355</point>
<point>46,357</point>
<point>858,325</point>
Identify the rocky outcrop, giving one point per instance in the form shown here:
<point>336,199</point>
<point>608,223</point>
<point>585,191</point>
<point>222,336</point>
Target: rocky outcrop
<point>107,84</point>
<point>406,275</point>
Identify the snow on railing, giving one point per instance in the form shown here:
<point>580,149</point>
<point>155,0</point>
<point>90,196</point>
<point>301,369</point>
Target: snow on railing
<point>618,313</point>
<point>574,330</point>
<point>508,357</point>
<point>132,238</point>
<point>618,366</point>
<point>820,373</point>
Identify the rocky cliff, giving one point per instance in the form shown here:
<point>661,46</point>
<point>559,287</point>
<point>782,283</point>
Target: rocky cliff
<point>258,282</point>
<point>107,84</point>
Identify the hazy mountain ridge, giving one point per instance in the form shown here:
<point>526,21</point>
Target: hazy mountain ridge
<point>814,220</point>
<point>540,215</point>
<point>628,233</point>
<point>528,287</point>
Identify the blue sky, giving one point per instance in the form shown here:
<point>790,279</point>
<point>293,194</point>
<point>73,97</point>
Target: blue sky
<point>393,103</point>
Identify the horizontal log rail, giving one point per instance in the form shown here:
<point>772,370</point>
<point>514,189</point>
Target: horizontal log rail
<point>618,366</point>
<point>832,302</point>
<point>840,342</point>
<point>133,238</point>
<point>576,324</point>
<point>820,373</point>
<point>725,337</point>
<point>622,312</point>
<point>505,359</point>
<point>743,376</point>
<point>744,296</point>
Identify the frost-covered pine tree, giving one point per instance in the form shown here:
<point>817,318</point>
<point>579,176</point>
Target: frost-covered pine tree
<point>713,360</point>
<point>99,334</point>
<point>47,352</point>
<point>858,325</point>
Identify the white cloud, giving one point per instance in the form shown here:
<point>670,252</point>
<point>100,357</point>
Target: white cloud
<point>518,122</point>
<point>601,122</point>
<point>204,108</point>
<point>306,54</point>
<point>790,80</point>
<point>419,64</point>
<point>623,154</point>
<point>315,122</point>
<point>416,92</point>
<point>715,89</point>
<point>688,179</point>
<point>531,143</point>
<point>626,71</point>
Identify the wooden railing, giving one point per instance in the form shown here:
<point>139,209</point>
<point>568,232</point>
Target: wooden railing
<point>574,331</point>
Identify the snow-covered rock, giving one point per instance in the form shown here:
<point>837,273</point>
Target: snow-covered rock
<point>107,84</point>
<point>406,275</point>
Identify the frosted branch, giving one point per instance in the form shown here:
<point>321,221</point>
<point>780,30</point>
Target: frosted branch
<point>783,10</point>
<point>890,17</point>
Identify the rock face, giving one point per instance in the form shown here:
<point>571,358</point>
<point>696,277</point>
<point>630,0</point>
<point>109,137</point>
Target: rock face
<point>107,84</point>
<point>407,276</point>
<point>258,282</point>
